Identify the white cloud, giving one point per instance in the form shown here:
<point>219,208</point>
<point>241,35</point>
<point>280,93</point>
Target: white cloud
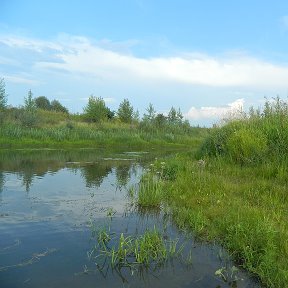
<point>20,80</point>
<point>73,64</point>
<point>231,109</point>
<point>109,100</point>
<point>30,44</point>
<point>82,57</point>
<point>78,56</point>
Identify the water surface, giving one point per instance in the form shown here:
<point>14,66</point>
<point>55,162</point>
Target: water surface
<point>48,202</point>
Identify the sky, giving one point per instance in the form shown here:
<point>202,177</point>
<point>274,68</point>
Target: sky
<point>208,58</point>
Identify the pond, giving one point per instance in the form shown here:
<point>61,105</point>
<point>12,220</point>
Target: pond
<point>54,202</point>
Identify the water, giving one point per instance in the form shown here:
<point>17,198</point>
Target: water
<point>48,202</point>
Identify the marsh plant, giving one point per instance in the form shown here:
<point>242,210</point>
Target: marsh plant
<point>150,249</point>
<point>150,191</point>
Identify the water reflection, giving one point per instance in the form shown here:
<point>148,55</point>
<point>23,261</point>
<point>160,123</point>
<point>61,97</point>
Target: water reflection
<point>2,181</point>
<point>29,165</point>
<point>94,174</point>
<point>65,190</point>
<point>122,174</point>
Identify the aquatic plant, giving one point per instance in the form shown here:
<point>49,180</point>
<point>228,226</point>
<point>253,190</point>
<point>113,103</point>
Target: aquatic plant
<point>150,191</point>
<point>149,249</point>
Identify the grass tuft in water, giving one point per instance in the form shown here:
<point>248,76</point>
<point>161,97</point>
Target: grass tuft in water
<point>149,249</point>
<point>150,191</point>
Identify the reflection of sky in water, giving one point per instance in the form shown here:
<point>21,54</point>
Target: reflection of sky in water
<point>64,196</point>
<point>50,209</point>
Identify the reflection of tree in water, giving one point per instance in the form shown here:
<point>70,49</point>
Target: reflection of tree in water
<point>28,168</point>
<point>27,181</point>
<point>122,174</point>
<point>95,174</point>
<point>2,181</point>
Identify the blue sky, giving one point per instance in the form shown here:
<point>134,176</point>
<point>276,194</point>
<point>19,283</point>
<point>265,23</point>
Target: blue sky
<point>208,58</point>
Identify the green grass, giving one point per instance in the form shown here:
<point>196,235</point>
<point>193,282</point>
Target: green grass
<point>237,193</point>
<point>90,135</point>
<point>255,137</point>
<point>50,129</point>
<point>150,191</point>
<point>148,249</point>
<point>244,210</point>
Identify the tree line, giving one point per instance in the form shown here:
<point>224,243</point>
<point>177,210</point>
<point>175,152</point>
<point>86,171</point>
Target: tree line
<point>95,111</point>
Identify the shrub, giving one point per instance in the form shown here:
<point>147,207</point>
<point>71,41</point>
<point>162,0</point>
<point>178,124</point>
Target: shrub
<point>246,146</point>
<point>28,119</point>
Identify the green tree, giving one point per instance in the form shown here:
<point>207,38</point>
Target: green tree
<point>160,120</point>
<point>125,111</point>
<point>136,116</point>
<point>151,113</point>
<point>58,107</point>
<point>28,117</point>
<point>110,113</point>
<point>29,103</point>
<point>3,95</point>
<point>96,110</point>
<point>179,116</point>
<point>172,116</point>
<point>43,103</point>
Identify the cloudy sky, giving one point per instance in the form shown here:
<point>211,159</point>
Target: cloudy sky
<point>208,58</point>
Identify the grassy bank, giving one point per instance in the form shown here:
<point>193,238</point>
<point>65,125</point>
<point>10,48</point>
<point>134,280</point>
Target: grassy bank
<point>32,127</point>
<point>92,135</point>
<point>234,191</point>
<point>243,208</point>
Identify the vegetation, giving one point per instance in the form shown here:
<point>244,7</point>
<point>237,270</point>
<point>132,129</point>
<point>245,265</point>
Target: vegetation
<point>3,95</point>
<point>148,249</point>
<point>234,190</point>
<point>41,123</point>
<point>43,103</point>
<point>3,100</point>
<point>96,110</point>
<point>258,137</point>
<point>125,111</point>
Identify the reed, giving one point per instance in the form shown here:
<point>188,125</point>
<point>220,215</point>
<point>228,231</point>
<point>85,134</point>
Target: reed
<point>149,249</point>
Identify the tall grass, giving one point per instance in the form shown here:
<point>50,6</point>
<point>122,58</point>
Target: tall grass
<point>242,208</point>
<point>236,194</point>
<point>260,135</point>
<point>50,129</point>
<point>149,249</point>
<point>72,133</point>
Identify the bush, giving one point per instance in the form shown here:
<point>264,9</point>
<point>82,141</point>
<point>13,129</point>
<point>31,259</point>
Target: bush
<point>28,119</point>
<point>215,143</point>
<point>255,136</point>
<point>246,146</point>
